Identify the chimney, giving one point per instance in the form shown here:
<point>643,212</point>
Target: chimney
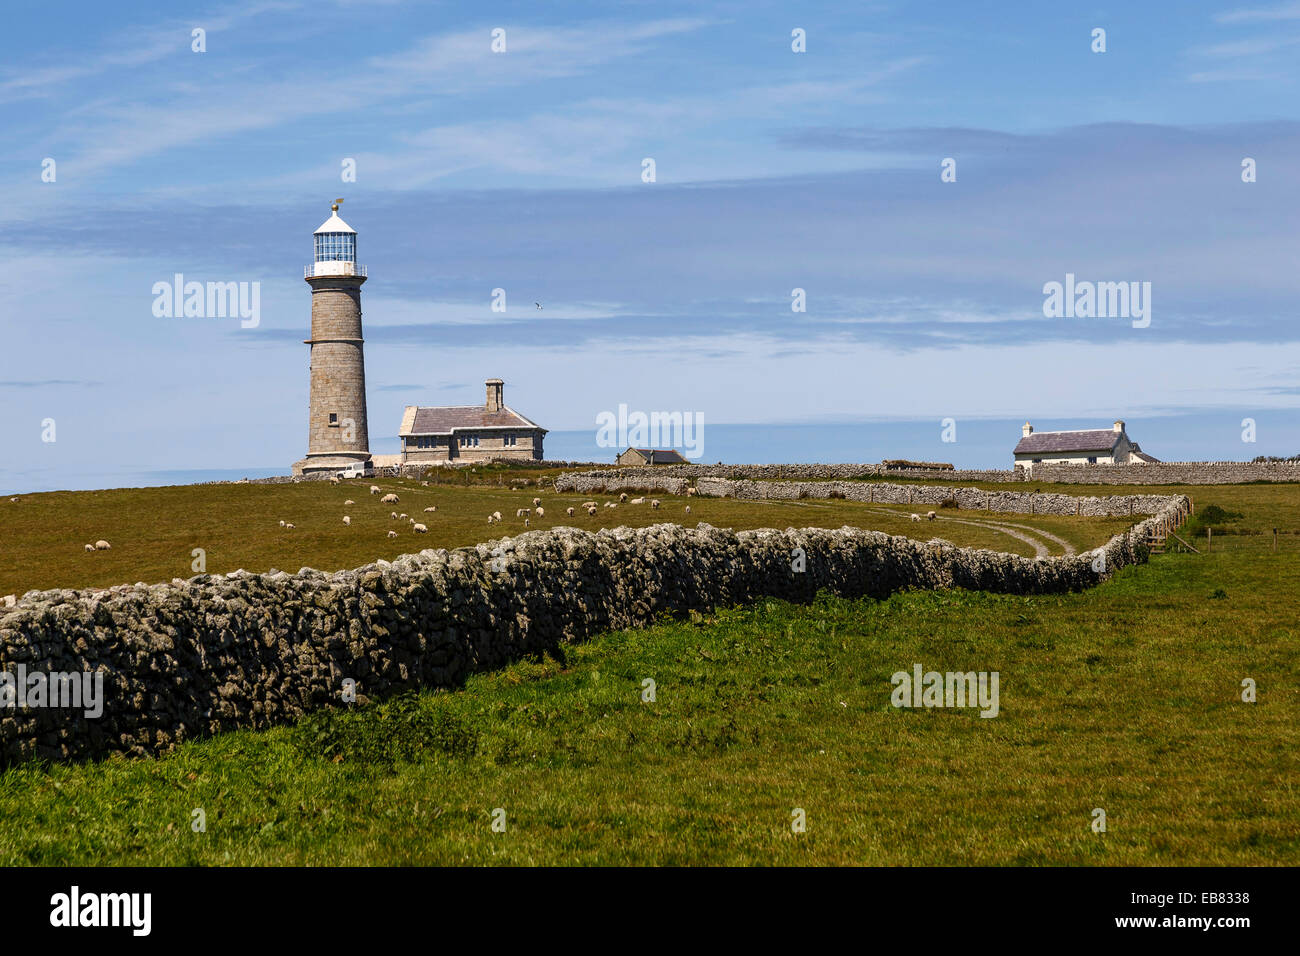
<point>1026,430</point>
<point>495,388</point>
<point>1119,426</point>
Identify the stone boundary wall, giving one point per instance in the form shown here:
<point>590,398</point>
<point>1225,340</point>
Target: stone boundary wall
<point>932,496</point>
<point>1162,473</point>
<point>215,653</point>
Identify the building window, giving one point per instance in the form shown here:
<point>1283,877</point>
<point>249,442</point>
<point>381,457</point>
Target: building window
<point>1092,461</point>
<point>334,418</point>
<point>509,440</point>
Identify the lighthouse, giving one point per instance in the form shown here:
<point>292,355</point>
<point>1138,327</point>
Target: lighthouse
<point>338,436</point>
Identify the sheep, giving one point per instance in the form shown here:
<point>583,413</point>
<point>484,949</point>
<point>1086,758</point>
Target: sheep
<point>654,502</point>
<point>403,516</point>
<point>431,509</point>
<point>610,504</point>
<point>569,512</point>
<point>374,489</point>
<point>347,519</point>
<point>497,515</point>
<point>335,479</point>
<point>637,501</point>
<point>520,512</point>
<point>392,534</point>
<point>690,492</point>
<point>419,529</point>
<point>393,515</point>
<point>90,547</point>
<point>537,502</point>
<point>916,517</point>
<point>589,504</point>
<point>541,513</point>
<point>527,523</point>
<point>425,484</point>
<point>592,511</point>
<point>289,526</point>
<point>102,545</point>
<point>490,519</point>
<point>623,496</point>
<point>688,509</point>
<point>930,516</point>
<point>281,522</point>
<point>389,499</point>
<point>349,502</point>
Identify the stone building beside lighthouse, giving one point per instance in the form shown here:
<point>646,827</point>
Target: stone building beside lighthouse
<point>338,434</point>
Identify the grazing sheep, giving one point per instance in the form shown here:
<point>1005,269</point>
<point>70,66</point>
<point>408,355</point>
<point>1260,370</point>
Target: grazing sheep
<point>287,525</point>
<point>425,483</point>
<point>419,529</point>
<point>930,515</point>
<point>688,509</point>
<point>335,479</point>
<point>690,492</point>
<point>374,489</point>
<point>527,523</point>
<point>497,515</point>
<point>392,534</point>
<point>102,545</point>
<point>916,517</point>
<point>637,501</point>
<point>349,502</point>
<point>281,522</point>
<point>623,496</point>
<point>389,499</point>
<point>90,547</point>
<point>592,511</point>
<point>429,510</point>
<point>610,504</point>
<point>541,513</point>
<point>403,516</point>
<point>569,512</point>
<point>393,515</point>
<point>536,502</point>
<point>347,520</point>
<point>589,504</point>
<point>654,502</point>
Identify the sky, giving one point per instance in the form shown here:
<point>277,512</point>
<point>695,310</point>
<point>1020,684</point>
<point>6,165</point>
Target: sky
<point>128,156</point>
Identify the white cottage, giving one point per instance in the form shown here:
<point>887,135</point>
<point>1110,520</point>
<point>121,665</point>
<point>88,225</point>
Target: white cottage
<point>1094,446</point>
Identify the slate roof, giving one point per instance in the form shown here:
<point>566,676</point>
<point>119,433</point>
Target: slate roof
<point>1096,439</point>
<point>661,456</point>
<point>443,420</point>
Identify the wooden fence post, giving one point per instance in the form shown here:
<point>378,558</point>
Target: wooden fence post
<point>1209,539</point>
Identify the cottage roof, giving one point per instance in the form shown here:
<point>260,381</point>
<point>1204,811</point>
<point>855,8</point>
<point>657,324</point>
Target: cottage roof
<point>1094,439</point>
<point>661,456</point>
<point>443,420</point>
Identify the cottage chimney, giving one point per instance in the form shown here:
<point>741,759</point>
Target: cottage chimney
<point>1119,426</point>
<point>495,391</point>
<point>1026,430</point>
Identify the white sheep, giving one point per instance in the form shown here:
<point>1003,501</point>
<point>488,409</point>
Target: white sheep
<point>654,502</point>
<point>490,519</point>
<point>90,547</point>
<point>281,522</point>
<point>688,509</point>
<point>347,519</point>
<point>637,501</point>
<point>393,515</point>
<point>520,512</point>
<point>375,489</point>
<point>592,510</point>
<point>335,479</point>
<point>690,492</point>
<point>527,523</point>
<point>419,529</point>
<point>930,516</point>
<point>541,513</point>
<point>287,525</point>
<point>349,502</point>
<point>610,504</point>
<point>403,516</point>
<point>389,499</point>
<point>497,515</point>
<point>623,496</point>
<point>569,512</point>
<point>102,545</point>
<point>392,534</point>
<point>431,509</point>
<point>536,502</point>
<point>589,504</point>
<point>916,517</point>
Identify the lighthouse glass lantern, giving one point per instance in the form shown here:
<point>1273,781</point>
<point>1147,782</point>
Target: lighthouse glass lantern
<point>335,248</point>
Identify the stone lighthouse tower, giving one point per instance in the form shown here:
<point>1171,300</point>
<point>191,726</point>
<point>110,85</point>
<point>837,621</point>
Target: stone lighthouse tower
<point>338,435</point>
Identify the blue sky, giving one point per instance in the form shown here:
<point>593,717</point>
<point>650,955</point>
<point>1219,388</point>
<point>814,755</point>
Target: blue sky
<point>522,170</point>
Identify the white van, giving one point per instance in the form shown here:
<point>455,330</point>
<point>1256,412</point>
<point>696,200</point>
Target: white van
<point>360,469</point>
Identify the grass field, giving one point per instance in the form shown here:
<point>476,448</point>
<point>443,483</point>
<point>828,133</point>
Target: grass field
<point>1126,697</point>
<point>154,531</point>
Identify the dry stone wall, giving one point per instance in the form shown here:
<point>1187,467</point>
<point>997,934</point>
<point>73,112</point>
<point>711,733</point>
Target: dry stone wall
<point>215,652</point>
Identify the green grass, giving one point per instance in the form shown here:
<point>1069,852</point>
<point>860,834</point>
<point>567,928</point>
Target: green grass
<point>1126,697</point>
<point>155,531</point>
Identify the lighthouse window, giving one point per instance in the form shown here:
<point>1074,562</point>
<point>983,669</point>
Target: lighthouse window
<point>334,418</point>
<point>336,246</point>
